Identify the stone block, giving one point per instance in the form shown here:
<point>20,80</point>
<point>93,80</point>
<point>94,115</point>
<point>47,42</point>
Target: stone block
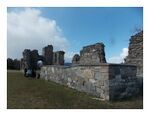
<point>97,75</point>
<point>104,69</point>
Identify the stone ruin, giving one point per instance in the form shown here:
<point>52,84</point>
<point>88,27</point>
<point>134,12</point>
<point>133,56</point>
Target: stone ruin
<point>76,59</point>
<point>136,52</point>
<point>48,57</point>
<point>58,58</point>
<point>47,53</point>
<point>90,73</point>
<point>90,55</point>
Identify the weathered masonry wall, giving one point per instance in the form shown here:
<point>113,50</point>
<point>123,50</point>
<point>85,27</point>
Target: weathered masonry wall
<point>105,81</point>
<point>123,82</point>
<point>135,56</point>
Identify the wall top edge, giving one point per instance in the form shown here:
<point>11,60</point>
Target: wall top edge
<point>101,64</point>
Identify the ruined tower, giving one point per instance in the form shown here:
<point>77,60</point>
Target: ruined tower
<point>93,54</point>
<point>48,57</point>
<point>58,58</point>
<point>29,59</point>
<point>26,60</point>
<point>47,53</point>
<point>34,58</point>
<point>135,54</point>
<point>76,59</point>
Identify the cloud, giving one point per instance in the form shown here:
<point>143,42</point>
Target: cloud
<point>119,58</point>
<point>27,28</point>
<point>69,56</point>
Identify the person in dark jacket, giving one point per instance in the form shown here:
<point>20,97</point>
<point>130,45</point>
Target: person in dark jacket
<point>33,73</point>
<point>25,72</point>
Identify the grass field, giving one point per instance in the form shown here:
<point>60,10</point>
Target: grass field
<point>24,93</point>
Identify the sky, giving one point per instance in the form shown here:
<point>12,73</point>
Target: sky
<point>71,28</point>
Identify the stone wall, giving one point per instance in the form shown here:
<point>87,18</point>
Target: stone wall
<point>91,55</point>
<point>122,81</point>
<point>105,81</point>
<point>136,52</point>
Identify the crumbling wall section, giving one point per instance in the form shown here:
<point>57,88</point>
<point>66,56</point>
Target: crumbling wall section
<point>58,58</point>
<point>76,59</point>
<point>47,53</point>
<point>30,58</point>
<point>92,54</point>
<point>135,54</point>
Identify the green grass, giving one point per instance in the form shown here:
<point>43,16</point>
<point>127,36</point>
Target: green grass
<point>37,93</point>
